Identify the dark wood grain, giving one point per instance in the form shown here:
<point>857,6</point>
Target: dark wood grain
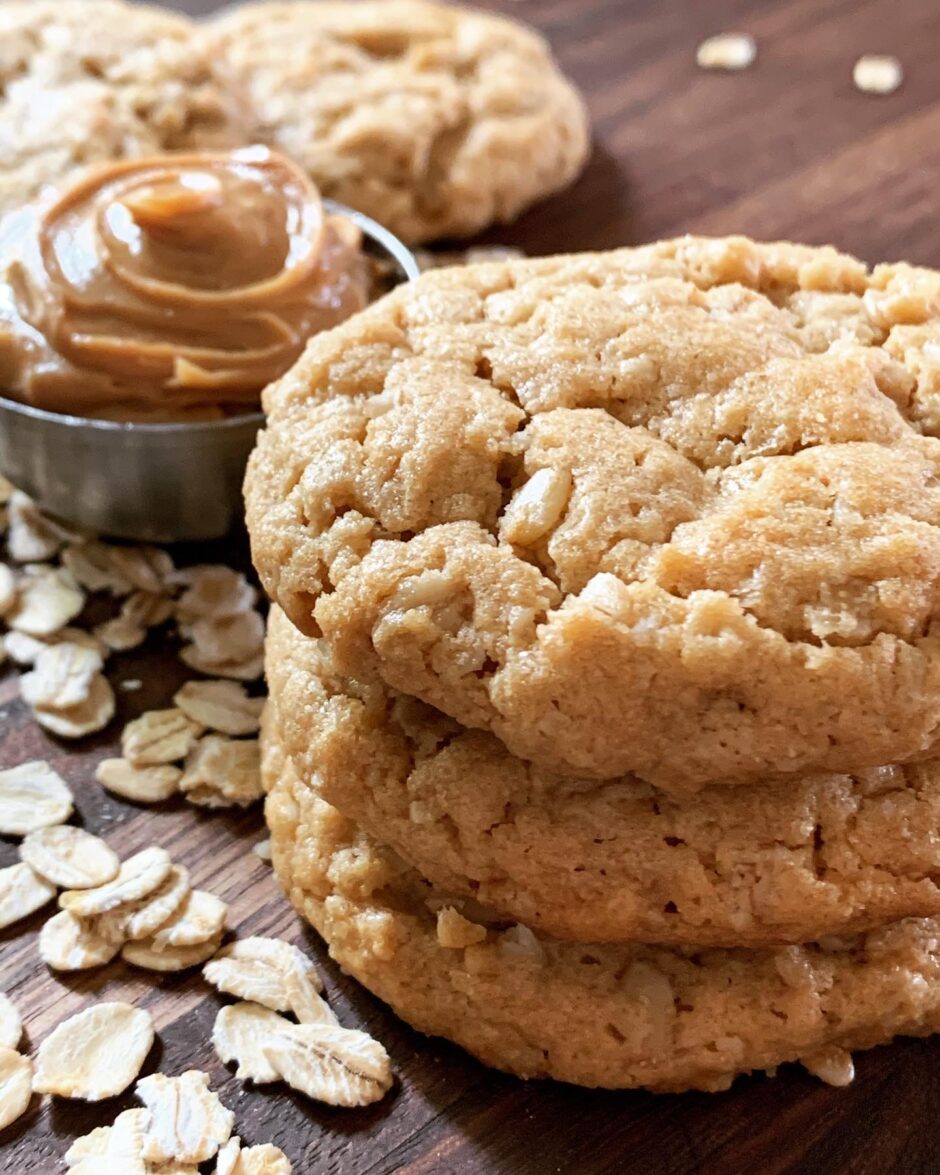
<point>787,149</point>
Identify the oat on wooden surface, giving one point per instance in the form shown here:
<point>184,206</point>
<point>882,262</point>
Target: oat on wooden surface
<point>729,51</point>
<point>22,892</point>
<point>146,956</point>
<point>220,705</point>
<point>32,796</point>
<point>186,1121</point>
<point>94,1054</point>
<point>11,1025</point>
<point>876,74</point>
<point>339,1066</point>
<point>67,943</point>
<point>144,785</point>
<point>256,969</point>
<point>138,876</point>
<point>69,857</point>
<point>16,1089</point>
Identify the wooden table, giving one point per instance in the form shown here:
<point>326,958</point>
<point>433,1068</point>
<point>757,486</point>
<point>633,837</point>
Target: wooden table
<point>788,148</point>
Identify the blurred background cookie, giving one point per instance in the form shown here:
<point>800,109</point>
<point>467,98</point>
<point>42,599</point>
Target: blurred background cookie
<point>84,81</point>
<point>437,121</point>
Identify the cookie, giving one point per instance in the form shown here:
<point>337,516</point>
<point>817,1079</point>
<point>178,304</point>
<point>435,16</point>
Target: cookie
<point>615,1016</point>
<point>437,121</point>
<point>87,81</point>
<point>670,510</point>
<point>615,861</point>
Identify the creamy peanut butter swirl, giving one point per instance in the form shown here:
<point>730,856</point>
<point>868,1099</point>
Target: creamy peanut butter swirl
<point>168,288</point>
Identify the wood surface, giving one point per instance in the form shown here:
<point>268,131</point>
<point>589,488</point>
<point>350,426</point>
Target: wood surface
<point>788,148</point>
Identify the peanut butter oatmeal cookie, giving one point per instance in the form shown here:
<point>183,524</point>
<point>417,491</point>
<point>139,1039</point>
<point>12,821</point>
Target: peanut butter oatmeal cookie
<point>672,510</point>
<point>599,1015</point>
<point>85,81</point>
<point>435,120</point>
<point>614,861</point>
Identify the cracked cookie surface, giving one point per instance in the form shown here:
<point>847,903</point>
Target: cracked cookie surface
<point>89,81</point>
<point>672,510</point>
<point>613,861</point>
<point>437,121</point>
<point>624,1016</point>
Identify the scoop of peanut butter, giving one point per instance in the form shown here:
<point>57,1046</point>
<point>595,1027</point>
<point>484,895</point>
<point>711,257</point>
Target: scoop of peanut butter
<point>170,288</point>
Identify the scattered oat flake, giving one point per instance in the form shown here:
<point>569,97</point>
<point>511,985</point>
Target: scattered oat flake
<point>159,736</point>
<point>187,1122</point>
<point>213,591</point>
<point>21,648</point>
<point>220,705</point>
<point>240,1033</point>
<point>199,919</point>
<point>137,920</point>
<point>86,718</point>
<point>220,772</point>
<point>67,943</point>
<point>95,568</point>
<point>339,1066</point>
<point>48,598</point>
<point>11,1026</point>
<point>119,635</point>
<point>95,1054</point>
<point>70,857</point>
<point>138,876</point>
<point>144,955</point>
<point>24,649</point>
<point>263,849</point>
<point>22,892</point>
<point>305,1001</point>
<point>149,569</point>
<point>876,74</point>
<point>111,1150</point>
<point>16,1085</point>
<point>233,639</point>
<point>32,796</point>
<point>146,785</point>
<point>249,670</point>
<point>731,51</point>
<point>31,537</point>
<point>62,676</point>
<point>255,969</point>
<point>7,589</point>
<point>265,1159</point>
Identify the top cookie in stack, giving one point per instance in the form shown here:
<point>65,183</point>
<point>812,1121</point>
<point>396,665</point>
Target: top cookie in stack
<point>670,511</point>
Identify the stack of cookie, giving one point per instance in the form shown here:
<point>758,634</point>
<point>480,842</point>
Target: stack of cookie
<point>604,668</point>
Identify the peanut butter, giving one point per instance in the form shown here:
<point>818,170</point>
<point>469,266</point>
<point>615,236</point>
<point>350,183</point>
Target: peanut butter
<point>171,288</point>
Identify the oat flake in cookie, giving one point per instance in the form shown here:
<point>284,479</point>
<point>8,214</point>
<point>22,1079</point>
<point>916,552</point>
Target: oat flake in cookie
<point>599,1015</point>
<point>433,119</point>
<point>671,510</point>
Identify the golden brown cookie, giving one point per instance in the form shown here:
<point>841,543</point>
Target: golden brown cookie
<point>85,81</point>
<point>671,510</point>
<point>615,861</point>
<point>615,1016</point>
<point>435,120</point>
